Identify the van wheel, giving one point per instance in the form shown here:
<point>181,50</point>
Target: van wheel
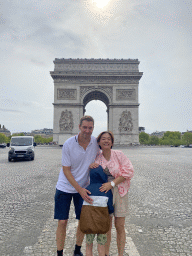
<point>32,158</point>
<point>9,159</point>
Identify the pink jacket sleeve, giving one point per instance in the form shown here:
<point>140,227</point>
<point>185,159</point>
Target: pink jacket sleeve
<point>126,169</point>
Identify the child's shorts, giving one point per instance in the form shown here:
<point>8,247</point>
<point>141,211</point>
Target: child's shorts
<point>101,238</point>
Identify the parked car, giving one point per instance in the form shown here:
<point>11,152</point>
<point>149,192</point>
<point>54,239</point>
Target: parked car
<point>3,145</point>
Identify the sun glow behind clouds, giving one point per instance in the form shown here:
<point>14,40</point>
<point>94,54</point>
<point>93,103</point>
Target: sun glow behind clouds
<point>100,3</point>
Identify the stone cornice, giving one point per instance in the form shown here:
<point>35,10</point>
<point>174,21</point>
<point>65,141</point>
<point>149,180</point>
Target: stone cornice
<point>61,105</point>
<point>130,105</point>
<point>92,60</point>
<point>56,74</point>
<point>107,79</point>
<point>114,105</point>
<point>96,67</point>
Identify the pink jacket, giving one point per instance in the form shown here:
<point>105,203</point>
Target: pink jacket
<point>118,165</point>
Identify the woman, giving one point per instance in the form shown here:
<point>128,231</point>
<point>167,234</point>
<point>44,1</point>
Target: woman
<point>120,171</point>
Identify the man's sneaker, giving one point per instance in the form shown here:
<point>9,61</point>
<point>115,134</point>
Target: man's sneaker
<point>78,254</point>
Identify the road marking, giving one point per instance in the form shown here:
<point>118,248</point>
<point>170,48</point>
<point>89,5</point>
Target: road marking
<point>46,244</point>
<point>70,233</point>
<point>130,247</point>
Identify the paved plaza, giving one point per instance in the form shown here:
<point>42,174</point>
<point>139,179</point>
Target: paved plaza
<point>159,222</point>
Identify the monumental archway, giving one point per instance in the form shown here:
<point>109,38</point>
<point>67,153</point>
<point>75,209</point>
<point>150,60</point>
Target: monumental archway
<point>114,82</point>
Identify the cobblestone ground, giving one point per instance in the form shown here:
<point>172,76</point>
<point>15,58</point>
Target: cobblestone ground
<point>160,201</point>
<point>158,224</point>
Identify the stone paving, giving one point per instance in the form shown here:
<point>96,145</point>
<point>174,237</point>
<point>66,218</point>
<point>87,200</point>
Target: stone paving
<point>159,222</point>
<point>46,244</point>
<point>160,202</point>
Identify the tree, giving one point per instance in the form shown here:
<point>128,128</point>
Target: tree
<point>143,138</point>
<point>164,141</point>
<point>40,140</point>
<point>171,138</point>
<point>9,138</point>
<point>172,135</point>
<point>154,140</point>
<point>177,142</point>
<point>18,134</point>
<point>187,138</point>
<point>3,138</point>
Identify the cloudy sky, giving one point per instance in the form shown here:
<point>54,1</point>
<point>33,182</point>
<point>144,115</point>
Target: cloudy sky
<point>35,32</point>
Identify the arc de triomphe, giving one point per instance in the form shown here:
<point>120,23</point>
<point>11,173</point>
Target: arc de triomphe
<point>115,82</point>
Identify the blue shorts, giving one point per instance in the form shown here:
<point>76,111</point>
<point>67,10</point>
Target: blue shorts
<point>63,202</point>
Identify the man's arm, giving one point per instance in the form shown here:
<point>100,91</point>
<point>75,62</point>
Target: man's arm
<point>82,191</point>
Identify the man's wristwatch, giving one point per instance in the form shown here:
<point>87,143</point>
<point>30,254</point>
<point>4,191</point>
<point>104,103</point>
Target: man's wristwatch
<point>112,184</point>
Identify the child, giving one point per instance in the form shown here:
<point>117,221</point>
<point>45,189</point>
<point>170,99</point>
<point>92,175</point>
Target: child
<point>94,217</point>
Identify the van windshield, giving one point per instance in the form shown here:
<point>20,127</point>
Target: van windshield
<point>21,141</point>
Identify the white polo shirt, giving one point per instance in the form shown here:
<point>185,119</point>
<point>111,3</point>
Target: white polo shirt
<point>78,159</point>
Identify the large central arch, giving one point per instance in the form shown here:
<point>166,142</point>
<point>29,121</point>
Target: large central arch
<point>114,82</point>
<point>97,95</point>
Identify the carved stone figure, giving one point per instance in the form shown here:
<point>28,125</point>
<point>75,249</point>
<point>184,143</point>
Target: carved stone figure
<point>66,121</point>
<point>125,122</point>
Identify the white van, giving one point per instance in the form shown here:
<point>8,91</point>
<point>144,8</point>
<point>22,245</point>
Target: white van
<point>21,147</point>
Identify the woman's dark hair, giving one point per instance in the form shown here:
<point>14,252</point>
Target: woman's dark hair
<point>111,135</point>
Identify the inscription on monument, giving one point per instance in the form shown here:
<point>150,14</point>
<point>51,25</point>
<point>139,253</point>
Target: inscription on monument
<point>125,122</point>
<point>66,121</point>
<point>125,94</point>
<point>66,94</point>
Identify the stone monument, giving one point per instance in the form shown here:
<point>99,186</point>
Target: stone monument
<point>113,81</point>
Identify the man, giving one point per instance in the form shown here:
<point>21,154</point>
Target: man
<point>78,153</point>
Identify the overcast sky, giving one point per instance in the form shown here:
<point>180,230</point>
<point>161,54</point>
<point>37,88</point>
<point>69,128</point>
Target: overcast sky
<point>35,32</point>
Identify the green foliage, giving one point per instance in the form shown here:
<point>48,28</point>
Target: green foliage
<point>143,138</point>
<point>187,138</point>
<point>40,140</point>
<point>18,134</point>
<point>164,142</point>
<point>177,143</point>
<point>9,139</point>
<point>172,135</point>
<point>3,138</point>
<point>154,140</point>
<point>171,138</point>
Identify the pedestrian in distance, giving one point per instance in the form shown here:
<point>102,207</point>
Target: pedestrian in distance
<point>120,171</point>
<point>94,217</point>
<point>78,153</point>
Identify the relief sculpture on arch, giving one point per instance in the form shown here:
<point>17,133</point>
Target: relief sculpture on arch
<point>66,121</point>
